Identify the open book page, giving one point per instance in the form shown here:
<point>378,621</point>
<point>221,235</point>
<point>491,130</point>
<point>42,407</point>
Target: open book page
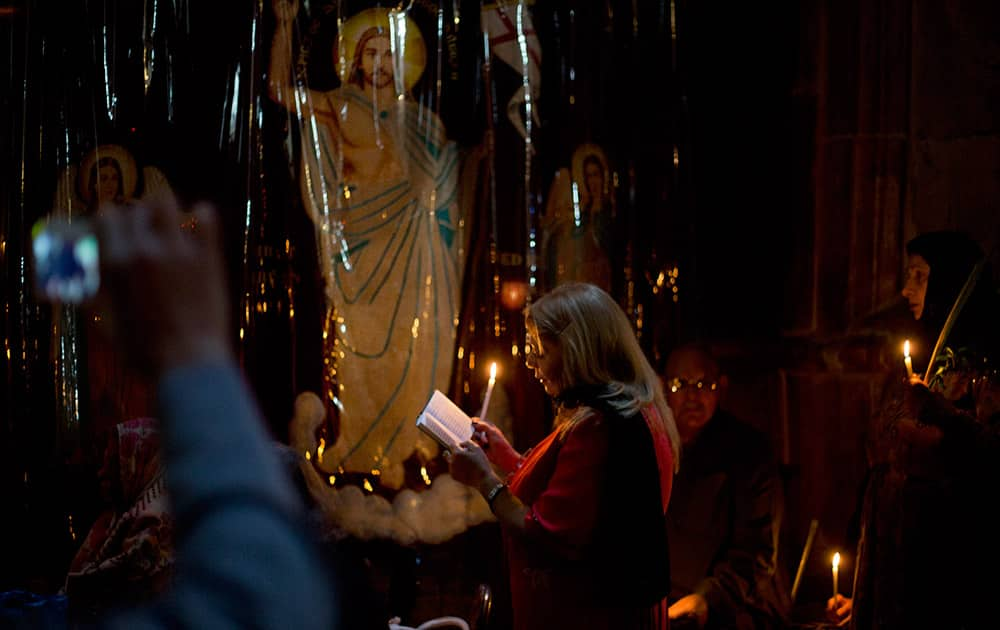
<point>444,421</point>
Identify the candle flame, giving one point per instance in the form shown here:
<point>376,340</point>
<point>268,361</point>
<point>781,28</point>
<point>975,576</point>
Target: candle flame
<point>836,560</point>
<point>493,371</point>
<point>906,348</point>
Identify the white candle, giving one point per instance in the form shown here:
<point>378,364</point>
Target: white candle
<point>836,571</point>
<point>906,358</point>
<point>489,391</point>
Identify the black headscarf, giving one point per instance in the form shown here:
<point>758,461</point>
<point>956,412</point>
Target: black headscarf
<point>952,256</point>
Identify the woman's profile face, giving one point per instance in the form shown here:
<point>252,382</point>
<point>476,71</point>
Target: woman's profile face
<point>915,286</point>
<point>545,359</point>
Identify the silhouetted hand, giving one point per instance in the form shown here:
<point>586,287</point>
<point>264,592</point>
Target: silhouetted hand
<point>285,10</point>
<point>165,285</point>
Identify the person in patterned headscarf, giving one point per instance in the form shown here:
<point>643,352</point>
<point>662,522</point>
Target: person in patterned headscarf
<point>127,556</point>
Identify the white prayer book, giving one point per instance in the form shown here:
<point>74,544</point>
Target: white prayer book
<point>444,421</point>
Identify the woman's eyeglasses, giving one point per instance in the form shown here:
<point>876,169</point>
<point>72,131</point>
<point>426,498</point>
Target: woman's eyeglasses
<point>678,384</point>
<point>531,351</point>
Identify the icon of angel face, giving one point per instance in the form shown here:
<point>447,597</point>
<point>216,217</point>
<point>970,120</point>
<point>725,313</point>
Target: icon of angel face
<point>107,174</point>
<point>592,178</point>
<point>105,183</point>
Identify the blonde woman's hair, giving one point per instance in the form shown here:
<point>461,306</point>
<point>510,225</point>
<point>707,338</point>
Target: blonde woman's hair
<point>599,347</point>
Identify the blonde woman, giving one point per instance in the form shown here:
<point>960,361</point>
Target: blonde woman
<point>583,511</point>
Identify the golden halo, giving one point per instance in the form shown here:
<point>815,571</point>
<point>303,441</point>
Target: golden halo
<point>125,162</point>
<point>414,52</point>
<point>581,153</point>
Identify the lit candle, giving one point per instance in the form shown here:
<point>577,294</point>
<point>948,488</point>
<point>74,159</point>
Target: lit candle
<point>836,571</point>
<point>489,391</point>
<point>906,358</point>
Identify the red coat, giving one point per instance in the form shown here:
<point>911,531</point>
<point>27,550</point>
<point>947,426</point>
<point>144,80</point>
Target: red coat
<point>581,541</point>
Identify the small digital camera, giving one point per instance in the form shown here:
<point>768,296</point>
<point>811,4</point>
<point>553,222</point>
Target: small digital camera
<point>65,259</point>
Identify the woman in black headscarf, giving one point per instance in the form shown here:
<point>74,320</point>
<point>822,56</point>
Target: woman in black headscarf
<point>926,527</point>
<point>938,266</point>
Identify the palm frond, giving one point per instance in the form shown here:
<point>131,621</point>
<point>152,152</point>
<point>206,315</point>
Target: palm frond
<point>956,310</point>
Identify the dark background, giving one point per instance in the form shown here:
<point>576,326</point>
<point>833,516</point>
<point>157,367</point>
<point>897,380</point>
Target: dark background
<point>814,138</point>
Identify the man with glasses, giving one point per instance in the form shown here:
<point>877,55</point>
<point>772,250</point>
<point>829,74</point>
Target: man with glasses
<point>725,510</point>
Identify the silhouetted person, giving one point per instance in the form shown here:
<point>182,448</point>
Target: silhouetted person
<point>244,558</point>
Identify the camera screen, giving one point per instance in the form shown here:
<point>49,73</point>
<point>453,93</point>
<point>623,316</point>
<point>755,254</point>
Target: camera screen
<point>66,262</point>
